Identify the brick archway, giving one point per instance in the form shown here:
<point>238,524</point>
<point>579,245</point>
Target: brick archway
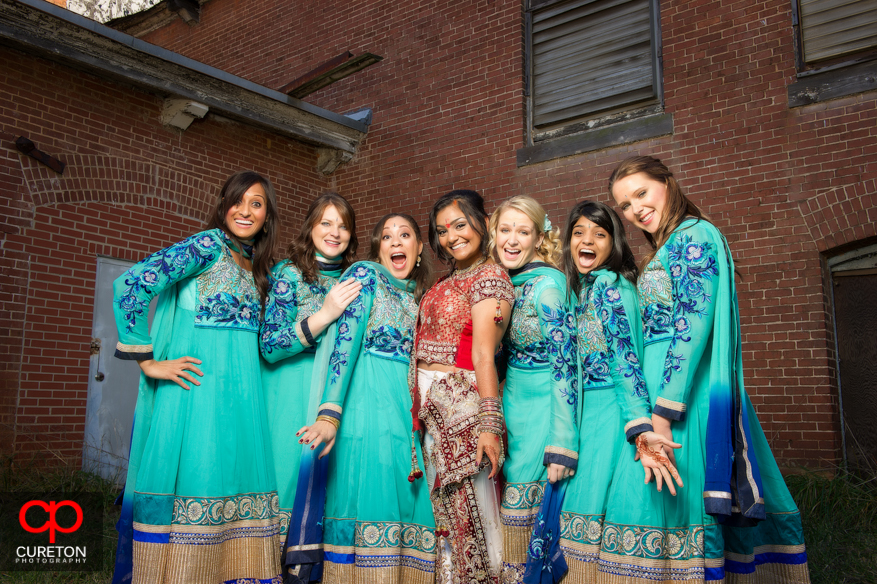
<point>90,178</point>
<point>841,216</point>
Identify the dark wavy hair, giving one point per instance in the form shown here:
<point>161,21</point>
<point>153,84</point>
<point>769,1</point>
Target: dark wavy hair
<point>620,260</point>
<point>231,194</point>
<point>678,207</point>
<point>421,275</point>
<point>301,252</point>
<point>472,206</point>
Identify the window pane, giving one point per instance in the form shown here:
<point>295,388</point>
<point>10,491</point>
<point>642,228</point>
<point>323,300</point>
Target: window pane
<point>588,57</point>
<point>832,28</point>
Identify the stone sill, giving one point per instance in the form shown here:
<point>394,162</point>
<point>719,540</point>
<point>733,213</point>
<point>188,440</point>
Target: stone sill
<point>597,139</point>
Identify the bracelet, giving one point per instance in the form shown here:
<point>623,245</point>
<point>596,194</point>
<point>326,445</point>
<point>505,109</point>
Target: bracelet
<point>306,331</point>
<point>334,421</point>
<point>492,424</point>
<point>490,405</point>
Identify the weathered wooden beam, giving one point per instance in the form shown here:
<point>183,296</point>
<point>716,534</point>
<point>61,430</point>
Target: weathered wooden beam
<point>314,73</point>
<point>46,31</point>
<point>188,10</point>
<point>346,68</point>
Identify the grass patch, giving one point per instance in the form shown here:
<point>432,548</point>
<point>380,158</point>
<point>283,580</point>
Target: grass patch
<point>840,526</point>
<point>839,515</point>
<point>64,478</point>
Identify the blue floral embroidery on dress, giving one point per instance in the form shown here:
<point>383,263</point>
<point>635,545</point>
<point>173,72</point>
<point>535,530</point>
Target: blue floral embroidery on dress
<point>228,310</point>
<point>525,346</point>
<point>593,349</point>
<point>562,346</point>
<point>607,302</point>
<point>163,266</point>
<point>655,300</point>
<point>691,262</point>
<point>389,342</point>
<point>276,333</point>
<point>290,301</point>
<point>390,327</point>
<point>227,296</point>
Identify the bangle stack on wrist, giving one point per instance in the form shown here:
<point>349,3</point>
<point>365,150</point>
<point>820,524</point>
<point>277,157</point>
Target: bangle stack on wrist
<point>490,417</point>
<point>334,421</point>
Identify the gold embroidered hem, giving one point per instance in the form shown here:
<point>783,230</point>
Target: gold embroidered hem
<point>196,554</point>
<point>363,574</point>
<point>520,506</point>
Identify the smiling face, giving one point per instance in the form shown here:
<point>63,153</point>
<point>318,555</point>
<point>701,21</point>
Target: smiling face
<point>457,236</point>
<point>245,219</point>
<point>516,239</point>
<point>399,247</point>
<point>590,245</point>
<point>330,234</point>
<point>642,200</point>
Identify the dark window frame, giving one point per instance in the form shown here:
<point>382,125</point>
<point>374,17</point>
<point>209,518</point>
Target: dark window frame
<point>597,120</point>
<point>828,79</point>
<point>804,68</point>
<point>638,121</point>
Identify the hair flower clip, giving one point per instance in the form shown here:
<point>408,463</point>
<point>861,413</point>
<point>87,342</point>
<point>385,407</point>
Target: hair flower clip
<point>546,225</point>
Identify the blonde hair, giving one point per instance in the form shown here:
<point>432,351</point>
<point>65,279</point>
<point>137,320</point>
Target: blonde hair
<point>551,248</point>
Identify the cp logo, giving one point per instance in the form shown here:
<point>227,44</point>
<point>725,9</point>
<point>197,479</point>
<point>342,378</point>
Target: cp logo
<point>51,524</point>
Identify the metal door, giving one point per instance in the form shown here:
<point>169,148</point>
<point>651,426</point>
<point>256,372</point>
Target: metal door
<point>112,384</point>
<point>855,311</point>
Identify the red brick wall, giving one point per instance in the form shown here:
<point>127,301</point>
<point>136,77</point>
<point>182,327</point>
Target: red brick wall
<point>130,188</point>
<point>783,184</point>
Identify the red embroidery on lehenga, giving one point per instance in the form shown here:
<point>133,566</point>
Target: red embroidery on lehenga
<point>451,418</point>
<point>445,317</point>
<point>456,507</point>
<point>447,308</point>
<point>444,335</point>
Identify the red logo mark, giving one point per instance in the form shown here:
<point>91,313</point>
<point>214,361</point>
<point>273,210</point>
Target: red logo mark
<point>51,524</point>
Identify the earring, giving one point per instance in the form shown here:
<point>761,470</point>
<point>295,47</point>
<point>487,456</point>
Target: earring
<point>417,263</point>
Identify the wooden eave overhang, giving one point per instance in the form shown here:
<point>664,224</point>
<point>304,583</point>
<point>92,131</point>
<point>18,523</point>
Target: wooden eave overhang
<point>51,32</point>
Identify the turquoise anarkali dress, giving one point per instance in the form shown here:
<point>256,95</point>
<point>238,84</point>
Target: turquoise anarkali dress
<point>200,499</point>
<point>378,525</point>
<point>614,410</point>
<point>734,520</point>
<point>540,399</point>
<point>287,367</point>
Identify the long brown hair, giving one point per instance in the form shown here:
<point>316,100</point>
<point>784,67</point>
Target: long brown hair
<point>620,259</point>
<point>678,206</point>
<point>231,194</point>
<point>472,206</point>
<point>421,274</point>
<point>301,252</point>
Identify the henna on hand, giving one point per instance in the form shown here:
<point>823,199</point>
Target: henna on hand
<point>644,449</point>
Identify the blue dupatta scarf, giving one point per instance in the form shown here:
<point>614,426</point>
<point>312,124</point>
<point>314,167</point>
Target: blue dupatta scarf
<point>545,561</point>
<point>303,553</point>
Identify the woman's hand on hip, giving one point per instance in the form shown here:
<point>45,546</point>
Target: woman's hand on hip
<point>175,370</point>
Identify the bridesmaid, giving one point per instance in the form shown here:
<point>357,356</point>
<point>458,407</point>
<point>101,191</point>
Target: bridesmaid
<point>540,397</point>
<point>200,499</point>
<point>378,524</point>
<point>304,298</point>
<point>736,520</point>
<point>601,273</point>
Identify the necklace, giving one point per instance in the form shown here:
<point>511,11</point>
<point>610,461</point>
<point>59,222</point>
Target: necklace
<point>470,268</point>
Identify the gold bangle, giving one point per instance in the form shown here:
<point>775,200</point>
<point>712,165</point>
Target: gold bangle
<point>334,421</point>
